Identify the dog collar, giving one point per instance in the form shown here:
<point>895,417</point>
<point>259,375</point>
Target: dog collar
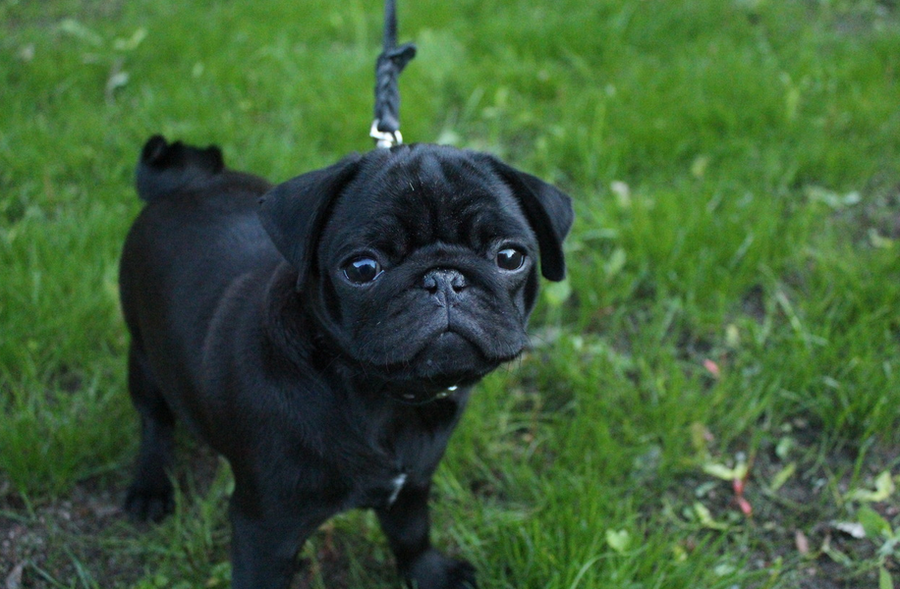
<point>446,392</point>
<point>414,399</point>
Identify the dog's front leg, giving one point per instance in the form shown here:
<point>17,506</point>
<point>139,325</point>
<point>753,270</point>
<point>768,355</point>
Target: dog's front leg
<point>406,525</point>
<point>264,548</point>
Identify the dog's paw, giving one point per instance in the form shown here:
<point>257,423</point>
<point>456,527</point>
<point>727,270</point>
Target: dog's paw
<point>149,502</point>
<point>432,570</point>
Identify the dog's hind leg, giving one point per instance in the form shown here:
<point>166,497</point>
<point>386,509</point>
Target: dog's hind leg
<point>406,525</point>
<point>150,495</point>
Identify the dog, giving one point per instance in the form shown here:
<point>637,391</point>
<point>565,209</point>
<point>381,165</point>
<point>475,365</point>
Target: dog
<point>324,334</point>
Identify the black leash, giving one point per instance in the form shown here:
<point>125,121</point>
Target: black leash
<point>386,126</point>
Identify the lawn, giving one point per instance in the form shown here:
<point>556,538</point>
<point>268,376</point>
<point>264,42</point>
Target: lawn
<point>712,399</point>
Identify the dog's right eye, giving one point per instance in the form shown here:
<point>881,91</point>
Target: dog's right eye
<point>510,259</point>
<point>362,270</point>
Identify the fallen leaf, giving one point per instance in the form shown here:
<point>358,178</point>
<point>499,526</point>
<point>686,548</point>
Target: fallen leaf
<point>854,529</point>
<point>784,447</point>
<point>884,488</point>
<point>76,29</point>
<point>732,336</point>
<point>802,543</point>
<point>618,540</point>
<point>832,199</point>
<point>118,78</point>
<point>724,569</point>
<point>698,167</point>
<point>622,192</point>
<point>720,471</point>
<point>712,368</point>
<point>14,578</point>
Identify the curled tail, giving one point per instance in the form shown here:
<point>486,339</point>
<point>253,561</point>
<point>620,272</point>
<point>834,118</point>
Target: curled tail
<point>167,167</point>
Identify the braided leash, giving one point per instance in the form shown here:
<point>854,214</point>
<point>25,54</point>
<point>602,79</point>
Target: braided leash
<point>386,126</point>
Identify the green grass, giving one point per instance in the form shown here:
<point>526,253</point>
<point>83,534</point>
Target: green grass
<point>735,166</point>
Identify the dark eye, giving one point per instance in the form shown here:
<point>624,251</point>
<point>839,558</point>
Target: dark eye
<point>510,259</point>
<point>362,270</point>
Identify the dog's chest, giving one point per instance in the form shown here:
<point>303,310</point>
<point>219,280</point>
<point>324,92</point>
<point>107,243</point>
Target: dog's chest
<point>397,458</point>
<point>389,473</point>
<point>397,484</point>
<point>382,489</point>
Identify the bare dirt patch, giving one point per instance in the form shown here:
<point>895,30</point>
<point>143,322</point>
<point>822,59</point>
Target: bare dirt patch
<point>799,525</point>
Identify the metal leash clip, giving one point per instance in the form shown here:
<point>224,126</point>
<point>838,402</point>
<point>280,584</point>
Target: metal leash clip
<point>390,63</point>
<point>385,139</point>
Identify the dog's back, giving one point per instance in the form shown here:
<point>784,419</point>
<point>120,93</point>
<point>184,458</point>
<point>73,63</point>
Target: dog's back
<point>196,235</point>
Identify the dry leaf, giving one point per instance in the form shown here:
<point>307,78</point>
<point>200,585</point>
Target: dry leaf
<point>712,368</point>
<point>854,529</point>
<point>14,578</point>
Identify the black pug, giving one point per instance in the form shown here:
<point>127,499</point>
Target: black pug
<point>324,334</point>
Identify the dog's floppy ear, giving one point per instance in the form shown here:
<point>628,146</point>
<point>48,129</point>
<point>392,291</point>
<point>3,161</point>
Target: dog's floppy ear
<point>549,212</point>
<point>293,213</point>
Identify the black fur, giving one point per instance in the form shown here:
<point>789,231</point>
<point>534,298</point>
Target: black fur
<point>166,168</point>
<point>326,394</point>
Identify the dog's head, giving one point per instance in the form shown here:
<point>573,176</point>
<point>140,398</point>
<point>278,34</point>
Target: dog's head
<point>421,262</point>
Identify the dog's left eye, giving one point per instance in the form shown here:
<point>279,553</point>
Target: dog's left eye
<point>362,270</point>
<point>510,259</point>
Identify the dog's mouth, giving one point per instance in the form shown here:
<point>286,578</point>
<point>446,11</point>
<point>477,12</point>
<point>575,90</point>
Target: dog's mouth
<point>448,362</point>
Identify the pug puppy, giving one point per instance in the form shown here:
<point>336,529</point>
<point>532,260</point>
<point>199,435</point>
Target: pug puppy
<point>324,334</point>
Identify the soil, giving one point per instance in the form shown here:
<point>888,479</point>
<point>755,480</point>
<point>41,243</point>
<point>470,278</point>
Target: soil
<point>806,529</point>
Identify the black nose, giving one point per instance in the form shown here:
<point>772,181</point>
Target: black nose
<point>444,283</point>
